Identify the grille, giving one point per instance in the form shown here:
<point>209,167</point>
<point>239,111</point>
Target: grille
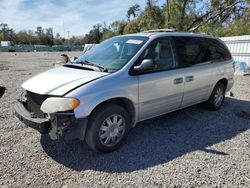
<point>34,102</point>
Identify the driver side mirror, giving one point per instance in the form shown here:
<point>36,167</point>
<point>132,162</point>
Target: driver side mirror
<point>146,65</point>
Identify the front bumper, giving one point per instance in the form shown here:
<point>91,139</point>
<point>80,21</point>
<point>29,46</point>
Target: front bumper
<point>40,124</point>
<point>57,126</point>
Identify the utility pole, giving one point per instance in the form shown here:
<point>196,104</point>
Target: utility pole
<point>63,29</point>
<point>68,33</point>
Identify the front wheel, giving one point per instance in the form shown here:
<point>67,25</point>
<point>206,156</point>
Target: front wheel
<point>107,128</point>
<point>217,97</point>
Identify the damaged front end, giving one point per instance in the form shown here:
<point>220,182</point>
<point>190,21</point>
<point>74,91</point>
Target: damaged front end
<point>56,125</point>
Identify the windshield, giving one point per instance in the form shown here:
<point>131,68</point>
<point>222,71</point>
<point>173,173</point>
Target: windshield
<point>113,53</point>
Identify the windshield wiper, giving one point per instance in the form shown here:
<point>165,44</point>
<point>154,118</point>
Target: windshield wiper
<point>77,66</point>
<point>85,62</point>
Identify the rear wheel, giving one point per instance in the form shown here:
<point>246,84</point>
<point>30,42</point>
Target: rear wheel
<point>107,128</point>
<point>217,97</point>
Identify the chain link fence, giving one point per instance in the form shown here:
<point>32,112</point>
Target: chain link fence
<point>40,48</point>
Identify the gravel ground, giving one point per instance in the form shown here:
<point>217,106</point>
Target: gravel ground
<point>188,148</point>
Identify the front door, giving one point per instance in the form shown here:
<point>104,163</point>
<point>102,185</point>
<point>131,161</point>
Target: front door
<point>160,90</point>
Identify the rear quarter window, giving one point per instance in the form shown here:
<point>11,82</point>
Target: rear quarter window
<point>217,50</point>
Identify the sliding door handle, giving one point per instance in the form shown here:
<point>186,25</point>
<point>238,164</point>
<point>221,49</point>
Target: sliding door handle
<point>178,80</point>
<point>189,78</point>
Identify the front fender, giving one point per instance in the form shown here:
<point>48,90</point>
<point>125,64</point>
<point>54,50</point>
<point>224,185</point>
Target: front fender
<point>116,85</point>
<point>89,103</point>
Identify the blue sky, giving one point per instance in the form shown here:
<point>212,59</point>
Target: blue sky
<point>76,16</point>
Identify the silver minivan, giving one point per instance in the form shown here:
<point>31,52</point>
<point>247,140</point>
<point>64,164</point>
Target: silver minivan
<point>124,80</point>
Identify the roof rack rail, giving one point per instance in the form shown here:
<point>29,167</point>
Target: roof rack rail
<point>159,30</point>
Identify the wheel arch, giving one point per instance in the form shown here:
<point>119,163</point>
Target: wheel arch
<point>126,103</point>
<point>224,81</point>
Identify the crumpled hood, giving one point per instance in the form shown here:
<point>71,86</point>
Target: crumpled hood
<point>59,81</point>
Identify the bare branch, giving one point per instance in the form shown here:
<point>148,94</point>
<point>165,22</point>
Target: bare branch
<point>200,21</point>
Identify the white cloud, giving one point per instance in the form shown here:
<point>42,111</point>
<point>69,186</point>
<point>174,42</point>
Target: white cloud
<point>76,16</point>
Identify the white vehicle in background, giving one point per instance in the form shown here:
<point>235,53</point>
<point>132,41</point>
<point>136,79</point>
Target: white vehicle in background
<point>64,58</point>
<point>6,43</point>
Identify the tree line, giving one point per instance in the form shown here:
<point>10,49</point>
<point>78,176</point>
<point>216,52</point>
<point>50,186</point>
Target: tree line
<point>216,17</point>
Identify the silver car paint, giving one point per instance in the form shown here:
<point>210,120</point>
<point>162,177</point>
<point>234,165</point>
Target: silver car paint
<point>195,91</point>
<point>116,85</point>
<point>151,94</point>
<point>59,81</point>
<point>158,94</point>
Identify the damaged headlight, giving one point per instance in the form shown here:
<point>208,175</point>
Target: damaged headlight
<point>59,104</point>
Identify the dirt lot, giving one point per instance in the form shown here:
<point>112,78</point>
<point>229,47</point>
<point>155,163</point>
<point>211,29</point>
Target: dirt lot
<point>189,148</point>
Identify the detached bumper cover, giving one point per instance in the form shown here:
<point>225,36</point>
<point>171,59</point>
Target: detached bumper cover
<point>40,124</point>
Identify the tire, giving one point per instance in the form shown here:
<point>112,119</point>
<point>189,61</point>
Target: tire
<point>217,97</point>
<point>107,128</point>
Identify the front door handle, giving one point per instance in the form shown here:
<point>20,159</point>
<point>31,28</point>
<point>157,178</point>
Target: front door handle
<point>189,78</point>
<point>178,80</point>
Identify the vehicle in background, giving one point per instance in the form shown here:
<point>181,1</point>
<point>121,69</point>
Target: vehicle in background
<point>6,43</point>
<point>64,58</point>
<point>125,80</point>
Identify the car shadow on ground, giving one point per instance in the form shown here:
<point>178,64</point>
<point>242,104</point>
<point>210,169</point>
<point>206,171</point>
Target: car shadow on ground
<point>158,140</point>
<point>2,91</point>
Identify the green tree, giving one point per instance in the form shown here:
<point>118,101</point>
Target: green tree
<point>152,17</point>
<point>49,37</point>
<point>118,27</point>
<point>1,37</point>
<point>179,14</point>
<point>107,35</point>
<point>3,30</point>
<point>171,14</point>
<point>57,39</point>
<point>40,34</point>
<point>216,17</point>
<point>45,36</point>
<point>133,11</point>
<point>220,13</point>
<point>7,33</point>
<point>132,27</point>
<point>95,35</point>
<point>23,37</point>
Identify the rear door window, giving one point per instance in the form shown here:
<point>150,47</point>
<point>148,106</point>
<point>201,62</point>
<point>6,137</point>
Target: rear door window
<point>196,50</point>
<point>189,51</point>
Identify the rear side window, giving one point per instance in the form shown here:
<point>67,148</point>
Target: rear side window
<point>216,51</point>
<point>196,50</point>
